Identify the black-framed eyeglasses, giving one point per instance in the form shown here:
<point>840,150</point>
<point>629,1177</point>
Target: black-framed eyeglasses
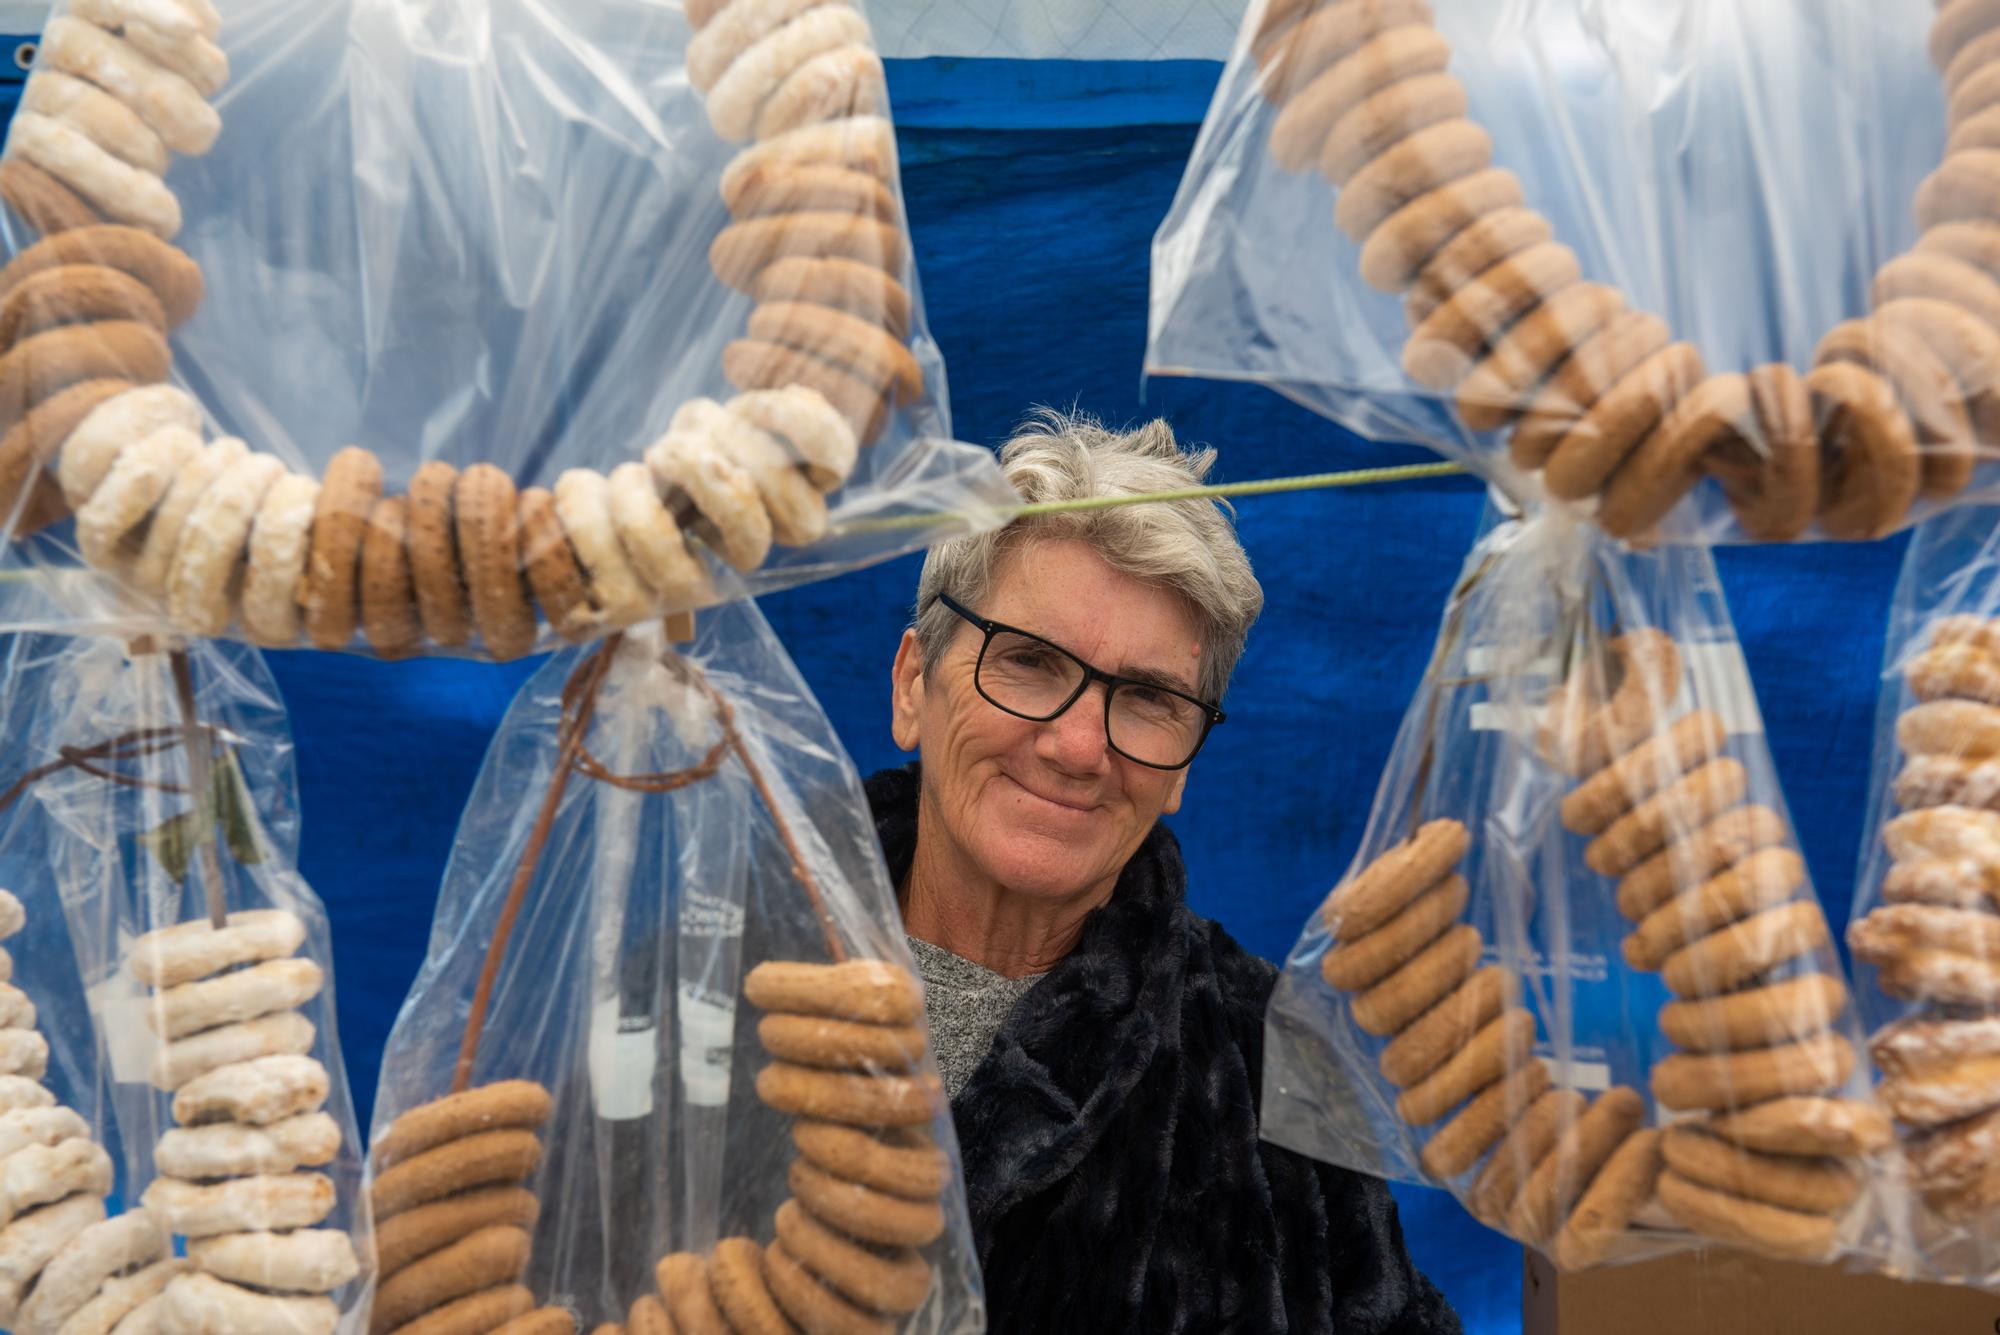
<point>1147,722</point>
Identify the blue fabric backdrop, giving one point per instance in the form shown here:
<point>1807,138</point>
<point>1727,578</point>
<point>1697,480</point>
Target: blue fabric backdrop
<point>1033,190</point>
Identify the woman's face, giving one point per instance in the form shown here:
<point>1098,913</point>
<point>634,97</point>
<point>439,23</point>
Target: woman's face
<point>1046,809</point>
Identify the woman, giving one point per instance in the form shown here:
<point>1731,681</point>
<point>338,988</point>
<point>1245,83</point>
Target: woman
<point>1102,1044</point>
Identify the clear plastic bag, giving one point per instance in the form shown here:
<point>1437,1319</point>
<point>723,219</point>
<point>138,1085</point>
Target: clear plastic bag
<point>474,281</point>
<point>1579,245</point>
<point>1577,974</point>
<point>1923,936</point>
<point>629,991</point>
<point>206,1062</point>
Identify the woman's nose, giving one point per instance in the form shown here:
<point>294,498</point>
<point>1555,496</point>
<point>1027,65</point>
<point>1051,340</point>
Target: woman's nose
<point>1075,739</point>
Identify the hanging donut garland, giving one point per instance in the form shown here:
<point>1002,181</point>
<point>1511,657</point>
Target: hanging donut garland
<point>223,538</point>
<point>1600,399</point>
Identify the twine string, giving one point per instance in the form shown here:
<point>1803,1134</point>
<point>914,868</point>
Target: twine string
<point>579,706</point>
<point>580,695</point>
<point>91,760</point>
<point>97,760</point>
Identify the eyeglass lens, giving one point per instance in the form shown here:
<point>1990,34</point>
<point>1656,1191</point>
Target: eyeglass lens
<point>1036,680</point>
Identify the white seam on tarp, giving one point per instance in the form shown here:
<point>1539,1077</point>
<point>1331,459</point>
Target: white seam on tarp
<point>1025,30</point>
<point>1057,29</point>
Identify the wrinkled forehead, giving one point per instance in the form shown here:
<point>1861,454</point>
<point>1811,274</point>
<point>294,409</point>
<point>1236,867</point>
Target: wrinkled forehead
<point>1063,591</point>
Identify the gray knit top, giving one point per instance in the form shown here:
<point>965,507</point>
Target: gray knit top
<point>967,1004</point>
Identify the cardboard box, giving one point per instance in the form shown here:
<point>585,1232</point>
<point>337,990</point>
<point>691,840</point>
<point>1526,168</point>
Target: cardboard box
<point>1729,1293</point>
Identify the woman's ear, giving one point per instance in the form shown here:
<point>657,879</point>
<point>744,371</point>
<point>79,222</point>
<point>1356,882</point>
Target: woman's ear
<point>906,693</point>
<point>1173,803</point>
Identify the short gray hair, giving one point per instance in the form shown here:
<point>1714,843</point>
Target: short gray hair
<point>1187,547</point>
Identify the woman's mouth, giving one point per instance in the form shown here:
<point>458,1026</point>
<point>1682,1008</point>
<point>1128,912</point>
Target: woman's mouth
<point>1064,804</point>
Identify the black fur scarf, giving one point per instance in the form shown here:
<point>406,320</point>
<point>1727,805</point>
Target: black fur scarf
<point>1112,1166</point>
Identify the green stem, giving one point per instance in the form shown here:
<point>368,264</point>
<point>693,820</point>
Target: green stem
<point>1358,477</point>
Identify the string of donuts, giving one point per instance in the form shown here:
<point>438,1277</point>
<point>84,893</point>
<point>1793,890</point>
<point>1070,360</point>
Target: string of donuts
<point>223,537</point>
<point>1934,940</point>
<point>237,1171</point>
<point>1561,1169</point>
<point>60,1253</point>
<point>1598,398</point>
<point>1764,1148</point>
<point>455,1213</point>
<point>867,1179</point>
<point>456,1210</point>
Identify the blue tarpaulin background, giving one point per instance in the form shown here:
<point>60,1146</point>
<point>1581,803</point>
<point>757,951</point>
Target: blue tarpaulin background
<point>1033,191</point>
